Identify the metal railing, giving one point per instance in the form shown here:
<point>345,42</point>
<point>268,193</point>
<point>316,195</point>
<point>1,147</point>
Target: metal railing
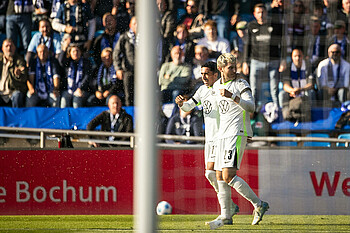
<point>55,134</point>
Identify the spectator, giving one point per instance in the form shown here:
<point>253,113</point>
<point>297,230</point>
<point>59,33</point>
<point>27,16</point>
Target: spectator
<point>44,80</point>
<point>113,120</point>
<point>108,38</point>
<point>130,7</point>
<point>75,20</point>
<point>279,16</point>
<point>331,9</point>
<point>174,76</point>
<point>14,76</point>
<point>3,8</point>
<point>193,20</point>
<point>297,82</point>
<point>162,121</point>
<point>122,16</point>
<point>298,27</point>
<point>185,124</point>
<point>277,11</point>
<point>239,62</point>
<point>19,22</point>
<point>107,82</point>
<point>100,7</point>
<point>124,60</point>
<point>344,15</point>
<point>333,77</point>
<point>42,10</point>
<point>341,39</point>
<point>181,39</point>
<point>266,52</point>
<point>45,36</point>
<point>200,58</point>
<point>322,16</point>
<point>56,4</point>
<point>167,27</point>
<point>77,75</point>
<point>216,45</point>
<point>241,39</point>
<point>223,12</point>
<point>315,43</point>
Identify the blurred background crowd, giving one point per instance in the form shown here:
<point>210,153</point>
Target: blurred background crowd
<point>77,53</point>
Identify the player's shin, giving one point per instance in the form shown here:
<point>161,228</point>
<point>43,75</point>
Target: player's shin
<point>244,190</point>
<point>225,201</point>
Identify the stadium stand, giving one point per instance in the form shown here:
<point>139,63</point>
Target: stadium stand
<point>317,144</point>
<point>343,136</point>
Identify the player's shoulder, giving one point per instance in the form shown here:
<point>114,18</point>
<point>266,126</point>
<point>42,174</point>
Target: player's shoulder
<point>242,81</point>
<point>217,83</point>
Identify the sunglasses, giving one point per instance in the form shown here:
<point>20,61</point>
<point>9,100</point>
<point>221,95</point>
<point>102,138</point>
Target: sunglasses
<point>191,6</point>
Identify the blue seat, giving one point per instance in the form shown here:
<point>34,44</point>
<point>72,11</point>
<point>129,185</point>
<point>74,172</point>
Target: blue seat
<point>343,136</point>
<point>318,144</point>
<point>286,143</point>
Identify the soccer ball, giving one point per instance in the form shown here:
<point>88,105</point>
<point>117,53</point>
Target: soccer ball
<point>163,208</point>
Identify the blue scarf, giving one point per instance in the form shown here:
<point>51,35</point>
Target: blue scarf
<point>48,42</point>
<point>105,42</point>
<point>55,6</point>
<point>43,86</point>
<point>23,6</point>
<point>135,38</point>
<point>104,78</point>
<point>75,76</point>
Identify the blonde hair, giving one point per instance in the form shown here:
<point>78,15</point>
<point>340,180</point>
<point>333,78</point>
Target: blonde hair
<point>107,49</point>
<point>226,58</point>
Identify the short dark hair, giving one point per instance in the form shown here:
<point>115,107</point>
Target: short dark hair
<point>259,5</point>
<point>211,65</point>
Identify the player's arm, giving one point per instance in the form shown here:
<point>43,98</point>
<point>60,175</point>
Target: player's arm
<point>185,105</point>
<point>246,101</point>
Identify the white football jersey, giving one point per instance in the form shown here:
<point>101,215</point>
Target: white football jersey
<point>234,120</point>
<point>206,96</point>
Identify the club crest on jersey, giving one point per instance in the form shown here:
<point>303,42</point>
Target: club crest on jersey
<point>207,107</point>
<point>224,106</point>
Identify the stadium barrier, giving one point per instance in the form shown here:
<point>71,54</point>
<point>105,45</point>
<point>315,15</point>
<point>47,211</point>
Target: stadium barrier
<point>83,136</point>
<point>98,181</point>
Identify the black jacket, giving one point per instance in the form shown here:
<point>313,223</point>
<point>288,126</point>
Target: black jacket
<point>124,122</point>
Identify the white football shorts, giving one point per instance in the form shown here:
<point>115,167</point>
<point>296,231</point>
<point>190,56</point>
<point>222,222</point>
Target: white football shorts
<point>210,150</point>
<point>230,152</point>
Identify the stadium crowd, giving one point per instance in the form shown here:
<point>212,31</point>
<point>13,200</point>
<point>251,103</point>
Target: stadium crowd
<point>77,53</point>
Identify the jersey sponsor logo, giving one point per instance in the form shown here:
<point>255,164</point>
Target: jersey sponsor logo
<point>224,106</point>
<point>207,107</point>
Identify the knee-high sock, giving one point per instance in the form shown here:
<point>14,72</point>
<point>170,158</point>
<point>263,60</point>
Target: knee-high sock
<point>244,190</point>
<point>211,176</point>
<point>225,201</point>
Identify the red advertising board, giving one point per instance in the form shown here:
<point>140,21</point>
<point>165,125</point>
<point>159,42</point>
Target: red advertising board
<point>101,182</point>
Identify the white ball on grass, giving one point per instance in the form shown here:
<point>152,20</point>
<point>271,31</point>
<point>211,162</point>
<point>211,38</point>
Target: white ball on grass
<point>163,208</point>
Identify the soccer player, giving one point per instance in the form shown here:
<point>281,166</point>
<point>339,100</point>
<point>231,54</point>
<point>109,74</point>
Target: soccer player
<point>235,102</point>
<point>207,97</point>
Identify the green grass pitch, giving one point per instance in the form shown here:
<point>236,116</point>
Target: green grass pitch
<point>173,223</point>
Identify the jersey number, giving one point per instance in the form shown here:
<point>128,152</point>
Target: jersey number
<point>228,155</point>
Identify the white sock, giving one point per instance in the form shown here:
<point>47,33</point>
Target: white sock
<point>211,176</point>
<point>245,191</point>
<point>224,197</point>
